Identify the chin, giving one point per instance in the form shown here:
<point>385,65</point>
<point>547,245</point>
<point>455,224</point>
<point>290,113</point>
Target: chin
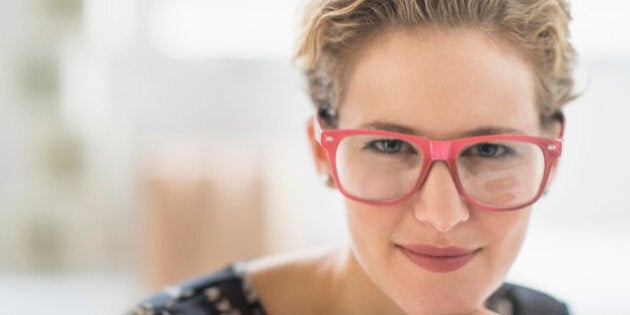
<point>445,305</point>
<point>439,295</point>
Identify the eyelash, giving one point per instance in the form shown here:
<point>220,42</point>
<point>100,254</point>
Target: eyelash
<point>503,150</point>
<point>374,145</point>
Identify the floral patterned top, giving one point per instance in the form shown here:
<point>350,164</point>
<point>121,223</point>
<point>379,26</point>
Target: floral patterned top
<point>228,292</point>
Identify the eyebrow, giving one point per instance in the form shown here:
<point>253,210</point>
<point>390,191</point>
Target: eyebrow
<point>380,125</point>
<point>483,131</point>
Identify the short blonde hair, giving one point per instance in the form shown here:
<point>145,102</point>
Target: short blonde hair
<point>335,29</point>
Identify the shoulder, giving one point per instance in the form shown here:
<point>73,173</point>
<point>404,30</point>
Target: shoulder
<point>525,301</point>
<point>282,281</point>
<point>296,283</point>
<point>221,292</point>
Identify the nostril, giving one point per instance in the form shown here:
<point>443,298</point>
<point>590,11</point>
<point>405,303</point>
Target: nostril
<point>441,219</point>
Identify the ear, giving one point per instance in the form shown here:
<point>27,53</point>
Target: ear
<point>552,174</point>
<point>320,156</point>
<point>553,127</point>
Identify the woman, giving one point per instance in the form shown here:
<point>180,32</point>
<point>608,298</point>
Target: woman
<point>441,123</point>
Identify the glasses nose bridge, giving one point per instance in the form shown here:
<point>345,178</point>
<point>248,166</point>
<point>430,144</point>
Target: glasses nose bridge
<point>440,150</point>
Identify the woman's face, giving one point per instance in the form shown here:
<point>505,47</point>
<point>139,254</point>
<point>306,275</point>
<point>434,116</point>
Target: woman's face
<point>440,85</point>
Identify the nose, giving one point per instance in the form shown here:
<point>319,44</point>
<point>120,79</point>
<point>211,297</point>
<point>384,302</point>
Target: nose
<point>438,202</point>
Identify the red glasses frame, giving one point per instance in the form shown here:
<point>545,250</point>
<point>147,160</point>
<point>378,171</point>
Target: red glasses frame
<point>446,151</point>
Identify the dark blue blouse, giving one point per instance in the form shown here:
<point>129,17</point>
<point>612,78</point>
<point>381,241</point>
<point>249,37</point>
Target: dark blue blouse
<point>228,292</point>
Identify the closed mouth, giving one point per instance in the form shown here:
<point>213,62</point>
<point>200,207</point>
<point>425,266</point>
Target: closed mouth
<point>438,259</point>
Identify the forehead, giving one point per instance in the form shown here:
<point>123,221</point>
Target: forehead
<point>441,82</point>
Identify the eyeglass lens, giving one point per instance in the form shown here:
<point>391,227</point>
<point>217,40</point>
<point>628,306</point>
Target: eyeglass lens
<point>501,174</point>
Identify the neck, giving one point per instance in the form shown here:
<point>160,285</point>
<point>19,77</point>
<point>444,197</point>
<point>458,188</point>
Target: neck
<point>356,292</point>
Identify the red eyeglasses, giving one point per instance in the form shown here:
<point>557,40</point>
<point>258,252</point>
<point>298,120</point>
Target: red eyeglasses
<point>494,172</point>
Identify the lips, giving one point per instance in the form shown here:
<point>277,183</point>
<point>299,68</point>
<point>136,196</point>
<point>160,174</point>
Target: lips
<point>438,259</point>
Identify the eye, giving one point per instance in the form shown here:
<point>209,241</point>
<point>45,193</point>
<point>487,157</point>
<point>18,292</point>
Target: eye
<point>389,146</point>
<point>489,150</point>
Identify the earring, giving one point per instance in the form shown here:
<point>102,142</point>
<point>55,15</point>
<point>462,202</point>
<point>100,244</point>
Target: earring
<point>327,180</point>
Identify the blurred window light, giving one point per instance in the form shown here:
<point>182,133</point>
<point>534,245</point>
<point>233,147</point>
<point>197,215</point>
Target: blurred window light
<point>111,25</point>
<point>217,28</point>
<point>600,28</point>
<point>252,28</point>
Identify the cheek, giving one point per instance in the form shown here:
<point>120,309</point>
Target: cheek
<point>370,227</point>
<point>505,233</point>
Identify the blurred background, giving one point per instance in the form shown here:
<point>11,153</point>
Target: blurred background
<point>145,141</point>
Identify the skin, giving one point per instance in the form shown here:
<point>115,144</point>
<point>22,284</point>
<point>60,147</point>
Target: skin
<point>436,84</point>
